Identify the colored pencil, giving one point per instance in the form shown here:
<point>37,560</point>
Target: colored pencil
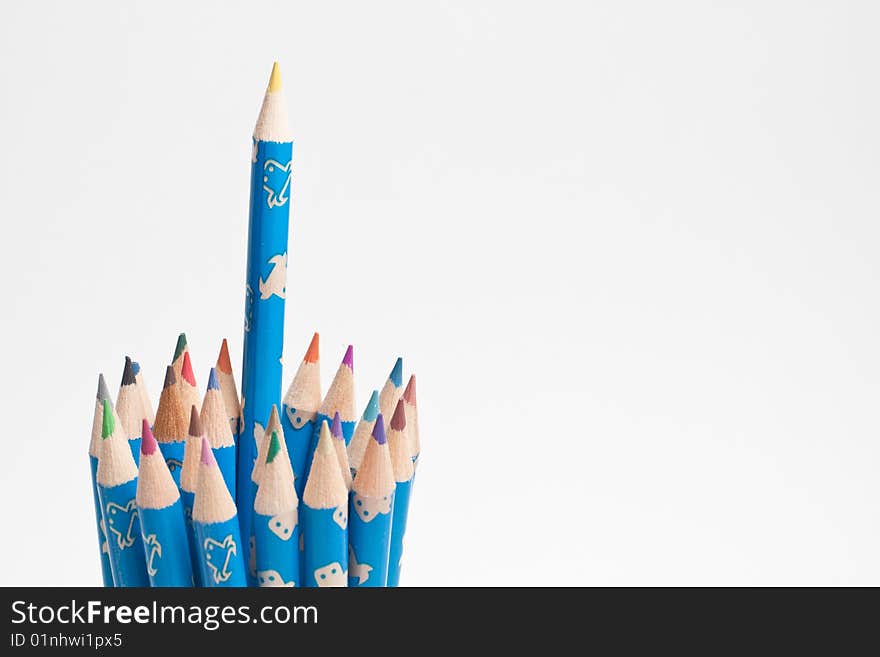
<point>276,528</point>
<point>341,451</point>
<point>263,445</point>
<point>262,437</point>
<point>402,465</point>
<point>325,518</point>
<point>339,399</point>
<point>117,485</point>
<point>218,538</point>
<point>370,508</point>
<point>391,390</point>
<point>299,410</point>
<point>94,453</point>
<point>172,422</point>
<point>179,349</point>
<point>189,391</point>
<point>363,433</point>
<point>230,390</point>
<point>130,408</point>
<point>216,426</point>
<point>166,548</point>
<point>189,481</point>
<point>266,281</point>
<point>412,419</point>
<point>145,394</point>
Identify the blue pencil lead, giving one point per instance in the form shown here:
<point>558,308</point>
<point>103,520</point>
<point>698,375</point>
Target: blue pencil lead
<point>396,375</point>
<point>135,367</point>
<point>372,409</point>
<point>213,383</point>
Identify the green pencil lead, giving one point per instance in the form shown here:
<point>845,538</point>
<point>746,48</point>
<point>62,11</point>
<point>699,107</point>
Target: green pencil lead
<point>181,346</point>
<point>274,447</point>
<point>109,424</point>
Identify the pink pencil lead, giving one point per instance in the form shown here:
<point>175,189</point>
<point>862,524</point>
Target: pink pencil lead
<point>148,441</point>
<point>207,457</point>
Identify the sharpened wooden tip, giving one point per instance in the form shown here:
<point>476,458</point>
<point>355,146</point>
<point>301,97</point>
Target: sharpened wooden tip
<point>274,420</point>
<point>275,78</point>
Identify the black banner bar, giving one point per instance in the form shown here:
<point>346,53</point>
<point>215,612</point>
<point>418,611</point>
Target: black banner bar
<point>154,620</point>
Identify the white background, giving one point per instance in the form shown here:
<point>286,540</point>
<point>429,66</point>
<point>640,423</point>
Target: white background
<point>630,250</point>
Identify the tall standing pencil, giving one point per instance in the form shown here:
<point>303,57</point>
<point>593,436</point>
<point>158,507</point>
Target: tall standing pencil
<point>402,465</point>
<point>130,408</point>
<point>363,433</point>
<point>230,390</point>
<point>189,481</point>
<point>145,394</point>
<point>172,422</point>
<point>94,453</point>
<point>412,419</point>
<point>325,518</point>
<point>216,426</point>
<point>276,528</point>
<point>117,486</point>
<point>391,390</point>
<point>266,283</point>
<point>218,538</point>
<point>166,549</point>
<point>339,399</point>
<point>299,410</point>
<point>370,508</point>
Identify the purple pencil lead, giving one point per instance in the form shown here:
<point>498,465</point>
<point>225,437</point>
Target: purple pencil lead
<point>348,359</point>
<point>379,430</point>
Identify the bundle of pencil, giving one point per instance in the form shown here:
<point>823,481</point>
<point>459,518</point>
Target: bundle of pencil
<point>222,491</point>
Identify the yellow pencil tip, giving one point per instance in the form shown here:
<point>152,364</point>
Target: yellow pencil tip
<point>275,78</point>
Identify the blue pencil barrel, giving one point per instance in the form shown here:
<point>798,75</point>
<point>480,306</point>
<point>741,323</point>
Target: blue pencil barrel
<point>398,529</point>
<point>277,545</point>
<point>103,549</point>
<point>135,445</point>
<point>220,553</point>
<point>125,547</point>
<point>297,439</point>
<point>369,539</point>
<point>173,455</point>
<point>325,546</point>
<point>166,548</point>
<point>225,457</point>
<point>264,304</point>
<point>186,500</point>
